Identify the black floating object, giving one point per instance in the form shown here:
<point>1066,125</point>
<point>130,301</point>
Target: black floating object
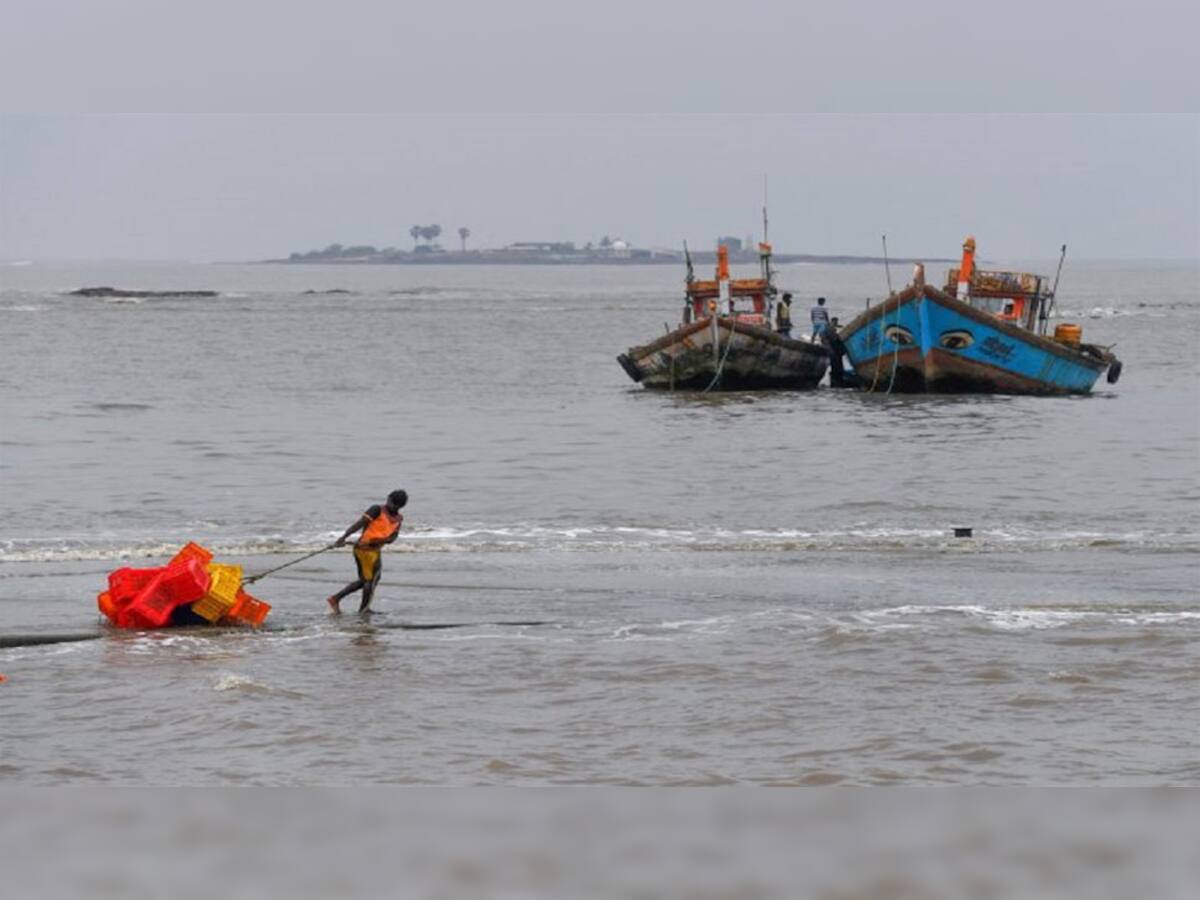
<point>37,638</point>
<point>962,532</point>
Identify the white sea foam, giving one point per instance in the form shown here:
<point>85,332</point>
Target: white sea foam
<point>598,538</point>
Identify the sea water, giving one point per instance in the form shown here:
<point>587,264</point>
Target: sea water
<point>751,588</point>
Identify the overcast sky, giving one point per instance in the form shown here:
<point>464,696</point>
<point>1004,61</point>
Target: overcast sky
<point>1030,125</point>
<point>252,186</point>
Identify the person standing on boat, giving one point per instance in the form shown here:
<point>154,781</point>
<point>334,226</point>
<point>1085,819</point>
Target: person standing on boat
<point>380,525</point>
<point>820,318</point>
<point>837,350</point>
<point>783,316</point>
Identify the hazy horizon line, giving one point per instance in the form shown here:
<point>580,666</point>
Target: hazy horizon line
<point>867,259</point>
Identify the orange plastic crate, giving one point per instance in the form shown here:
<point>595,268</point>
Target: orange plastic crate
<point>107,606</point>
<point>192,550</point>
<point>247,610</point>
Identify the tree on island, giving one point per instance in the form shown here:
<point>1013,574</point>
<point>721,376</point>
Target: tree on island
<point>606,242</point>
<point>428,234</point>
<point>463,234</point>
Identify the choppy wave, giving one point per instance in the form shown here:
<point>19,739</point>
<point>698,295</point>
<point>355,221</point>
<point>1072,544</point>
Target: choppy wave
<point>1111,312</point>
<point>23,551</point>
<point>1079,624</point>
<point>866,537</point>
<point>1027,618</point>
<point>601,538</point>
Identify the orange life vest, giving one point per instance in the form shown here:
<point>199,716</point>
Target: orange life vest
<point>382,527</point>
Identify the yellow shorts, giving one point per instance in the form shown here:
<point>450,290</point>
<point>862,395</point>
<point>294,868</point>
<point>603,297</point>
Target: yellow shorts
<point>367,559</point>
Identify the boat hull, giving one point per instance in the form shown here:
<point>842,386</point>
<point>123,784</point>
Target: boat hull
<point>746,357</point>
<point>922,340</point>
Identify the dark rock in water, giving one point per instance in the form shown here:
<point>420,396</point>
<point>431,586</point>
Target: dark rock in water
<point>121,292</point>
<point>330,291</point>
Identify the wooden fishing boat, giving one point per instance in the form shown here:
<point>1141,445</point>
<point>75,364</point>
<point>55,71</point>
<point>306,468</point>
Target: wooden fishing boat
<point>984,333</point>
<point>726,341</point>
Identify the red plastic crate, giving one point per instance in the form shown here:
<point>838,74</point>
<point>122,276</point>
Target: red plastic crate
<point>125,584</point>
<point>176,585</point>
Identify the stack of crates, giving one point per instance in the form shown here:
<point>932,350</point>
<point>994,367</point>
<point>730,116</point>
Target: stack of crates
<point>148,598</point>
<point>224,584</point>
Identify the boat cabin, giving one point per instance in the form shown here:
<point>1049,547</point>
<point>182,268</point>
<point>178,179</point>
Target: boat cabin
<point>1015,297</point>
<point>746,300</point>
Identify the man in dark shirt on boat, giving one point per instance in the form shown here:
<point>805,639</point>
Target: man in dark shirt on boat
<point>820,318</point>
<point>783,316</point>
<point>837,350</point>
<point>380,525</point>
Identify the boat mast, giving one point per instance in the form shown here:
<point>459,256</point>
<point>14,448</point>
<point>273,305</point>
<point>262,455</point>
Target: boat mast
<point>1031,317</point>
<point>764,249</point>
<point>690,309</point>
<point>887,268</point>
<point>1048,306</point>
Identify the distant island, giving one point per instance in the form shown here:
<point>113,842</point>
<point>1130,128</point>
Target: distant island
<point>122,293</point>
<point>606,251</point>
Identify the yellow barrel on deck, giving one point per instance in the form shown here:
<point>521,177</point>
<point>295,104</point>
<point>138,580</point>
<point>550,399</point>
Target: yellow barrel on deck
<point>1068,333</point>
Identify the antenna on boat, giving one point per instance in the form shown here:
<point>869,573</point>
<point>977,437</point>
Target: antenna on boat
<point>764,249</point>
<point>886,266</point>
<point>1049,308</point>
<point>687,258</point>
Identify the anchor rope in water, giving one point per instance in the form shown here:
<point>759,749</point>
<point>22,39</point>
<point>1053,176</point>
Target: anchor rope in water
<point>879,352</point>
<point>895,355</point>
<point>672,360</point>
<point>879,349</point>
<point>728,347</point>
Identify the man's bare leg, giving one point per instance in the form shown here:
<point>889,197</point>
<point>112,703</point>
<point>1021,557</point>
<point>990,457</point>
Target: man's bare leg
<point>348,589</point>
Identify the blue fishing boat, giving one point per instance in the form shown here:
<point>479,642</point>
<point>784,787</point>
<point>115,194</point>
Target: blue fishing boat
<point>984,333</point>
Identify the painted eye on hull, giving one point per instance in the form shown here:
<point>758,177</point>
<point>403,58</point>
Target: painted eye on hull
<point>956,340</point>
<point>898,334</point>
